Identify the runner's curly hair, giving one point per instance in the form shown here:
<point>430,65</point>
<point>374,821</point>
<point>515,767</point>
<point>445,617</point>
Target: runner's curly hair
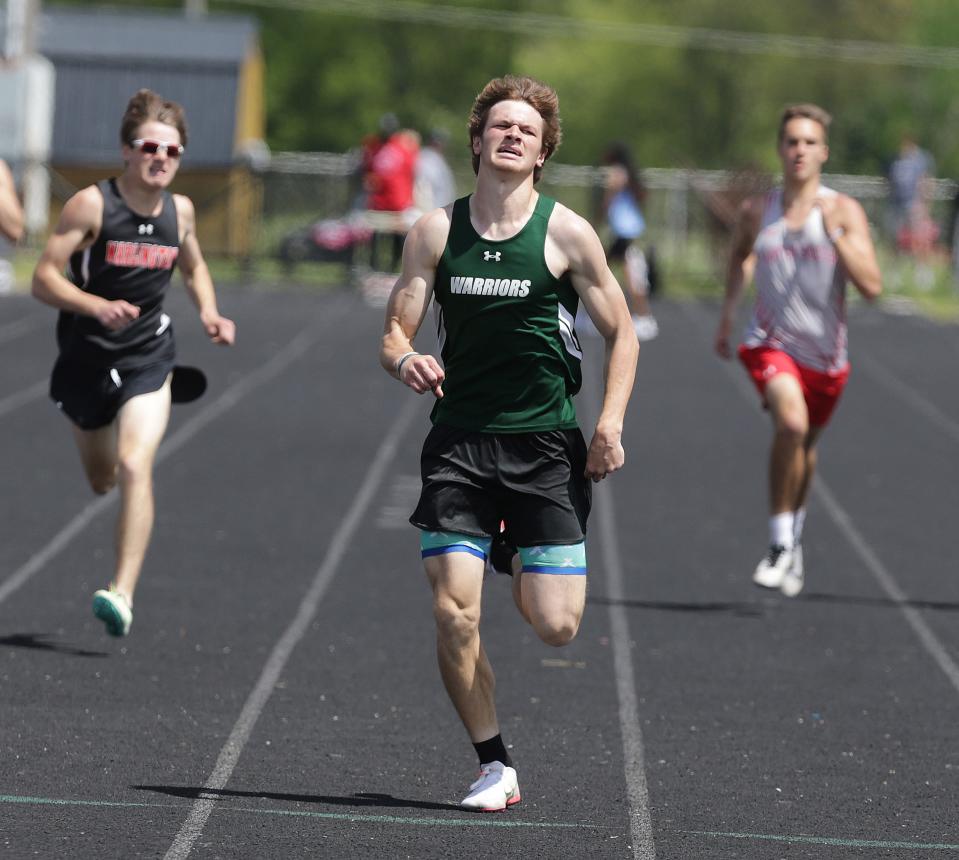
<point>541,97</point>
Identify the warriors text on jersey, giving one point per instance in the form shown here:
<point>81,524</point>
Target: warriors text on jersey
<point>505,324</point>
<point>132,259</point>
<point>800,290</point>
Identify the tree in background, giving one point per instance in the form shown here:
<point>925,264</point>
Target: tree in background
<point>331,75</point>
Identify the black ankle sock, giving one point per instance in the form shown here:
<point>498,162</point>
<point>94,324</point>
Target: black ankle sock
<point>493,750</point>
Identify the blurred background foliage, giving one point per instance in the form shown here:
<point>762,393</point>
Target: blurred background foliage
<point>334,67</point>
<point>692,86</point>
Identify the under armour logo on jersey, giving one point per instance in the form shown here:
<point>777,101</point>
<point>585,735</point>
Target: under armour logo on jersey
<point>492,255</point>
<point>145,229</point>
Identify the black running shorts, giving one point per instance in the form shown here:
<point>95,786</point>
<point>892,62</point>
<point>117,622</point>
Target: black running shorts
<point>91,396</point>
<point>533,481</point>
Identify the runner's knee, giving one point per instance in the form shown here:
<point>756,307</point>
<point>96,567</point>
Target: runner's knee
<point>793,426</point>
<point>457,623</point>
<point>557,630</point>
<point>135,466</point>
<point>102,482</point>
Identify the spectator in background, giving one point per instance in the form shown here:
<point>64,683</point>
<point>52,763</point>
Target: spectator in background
<point>369,146</point>
<point>622,200</point>
<point>435,185</point>
<point>910,193</point>
<point>389,177</point>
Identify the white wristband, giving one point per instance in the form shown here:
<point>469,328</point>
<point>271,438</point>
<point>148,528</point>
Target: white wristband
<point>836,234</point>
<point>401,361</point>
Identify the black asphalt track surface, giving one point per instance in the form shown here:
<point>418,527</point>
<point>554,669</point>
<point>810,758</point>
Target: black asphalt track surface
<point>278,695</point>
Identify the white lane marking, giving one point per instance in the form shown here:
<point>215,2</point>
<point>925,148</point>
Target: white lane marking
<point>230,754</point>
<point>915,400</point>
<point>634,753</point>
<point>887,582</point>
<point>12,330</point>
<point>236,392</point>
<point>401,498</point>
<point>20,398</point>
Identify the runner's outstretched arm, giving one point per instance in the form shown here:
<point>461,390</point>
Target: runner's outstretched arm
<point>78,226</point>
<point>744,235</point>
<point>605,303</point>
<point>408,304</point>
<point>11,213</point>
<point>846,225</point>
<point>196,276</point>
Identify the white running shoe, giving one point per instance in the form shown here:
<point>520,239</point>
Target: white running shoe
<point>771,571</point>
<point>794,579</point>
<point>113,609</point>
<point>495,789</point>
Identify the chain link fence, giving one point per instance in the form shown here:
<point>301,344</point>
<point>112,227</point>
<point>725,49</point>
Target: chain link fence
<point>302,218</point>
<point>312,211</point>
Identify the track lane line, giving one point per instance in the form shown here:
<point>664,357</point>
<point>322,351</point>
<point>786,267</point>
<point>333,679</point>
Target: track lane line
<point>229,755</point>
<point>226,401</point>
<point>826,840</point>
<point>634,752</point>
<point>914,399</point>
<point>20,398</point>
<point>887,582</point>
<point>12,330</point>
<point>366,818</point>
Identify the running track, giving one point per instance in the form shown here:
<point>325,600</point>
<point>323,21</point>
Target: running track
<point>278,696</point>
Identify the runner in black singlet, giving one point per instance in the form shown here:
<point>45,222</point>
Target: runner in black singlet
<point>120,240</point>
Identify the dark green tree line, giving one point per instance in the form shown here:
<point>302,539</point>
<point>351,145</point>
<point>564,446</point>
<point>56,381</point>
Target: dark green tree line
<point>330,75</point>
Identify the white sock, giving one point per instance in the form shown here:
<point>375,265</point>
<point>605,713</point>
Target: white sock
<point>799,520</point>
<point>781,529</point>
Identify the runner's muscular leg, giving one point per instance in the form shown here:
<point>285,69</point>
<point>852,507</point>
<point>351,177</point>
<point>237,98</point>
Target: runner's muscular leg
<point>98,454</point>
<point>809,466</point>
<point>787,459</point>
<point>457,582</point>
<point>141,424</point>
<point>553,604</point>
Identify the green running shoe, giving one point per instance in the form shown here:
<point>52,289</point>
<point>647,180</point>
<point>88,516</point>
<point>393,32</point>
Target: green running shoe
<point>113,609</point>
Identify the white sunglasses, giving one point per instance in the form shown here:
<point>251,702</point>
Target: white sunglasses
<point>151,147</point>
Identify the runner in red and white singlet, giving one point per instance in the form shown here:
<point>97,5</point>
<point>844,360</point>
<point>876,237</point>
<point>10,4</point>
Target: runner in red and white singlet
<point>804,242</point>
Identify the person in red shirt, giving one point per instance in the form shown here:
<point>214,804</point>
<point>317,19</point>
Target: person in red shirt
<point>389,183</point>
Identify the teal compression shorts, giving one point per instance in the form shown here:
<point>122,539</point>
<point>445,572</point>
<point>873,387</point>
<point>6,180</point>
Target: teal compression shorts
<point>440,543</point>
<point>561,559</point>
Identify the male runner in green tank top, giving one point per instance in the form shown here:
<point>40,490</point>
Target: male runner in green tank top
<point>507,267</point>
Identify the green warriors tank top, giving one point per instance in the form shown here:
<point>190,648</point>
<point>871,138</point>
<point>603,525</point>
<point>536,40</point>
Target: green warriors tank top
<point>505,327</point>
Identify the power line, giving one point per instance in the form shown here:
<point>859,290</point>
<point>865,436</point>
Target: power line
<point>657,35</point>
